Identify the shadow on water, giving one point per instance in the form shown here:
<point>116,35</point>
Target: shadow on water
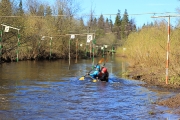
<point>48,90</point>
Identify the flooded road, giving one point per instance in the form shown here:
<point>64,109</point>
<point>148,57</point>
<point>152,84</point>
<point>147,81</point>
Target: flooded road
<point>39,90</point>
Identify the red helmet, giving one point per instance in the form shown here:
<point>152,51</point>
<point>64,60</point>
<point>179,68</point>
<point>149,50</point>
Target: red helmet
<point>104,70</point>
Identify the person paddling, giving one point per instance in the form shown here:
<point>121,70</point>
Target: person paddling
<point>96,72</point>
<point>104,75</point>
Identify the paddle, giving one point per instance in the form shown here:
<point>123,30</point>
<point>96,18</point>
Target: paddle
<point>105,62</point>
<point>100,61</point>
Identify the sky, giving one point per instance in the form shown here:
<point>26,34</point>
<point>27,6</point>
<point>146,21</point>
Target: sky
<point>133,7</point>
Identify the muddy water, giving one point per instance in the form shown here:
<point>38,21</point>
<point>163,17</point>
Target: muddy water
<point>34,90</point>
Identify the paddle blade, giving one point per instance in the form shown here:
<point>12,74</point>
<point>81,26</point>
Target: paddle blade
<point>101,60</point>
<point>94,80</point>
<point>82,78</point>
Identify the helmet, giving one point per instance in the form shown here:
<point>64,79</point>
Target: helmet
<point>104,70</point>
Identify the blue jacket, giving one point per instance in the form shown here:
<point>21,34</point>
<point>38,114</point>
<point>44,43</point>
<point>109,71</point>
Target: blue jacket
<point>94,74</point>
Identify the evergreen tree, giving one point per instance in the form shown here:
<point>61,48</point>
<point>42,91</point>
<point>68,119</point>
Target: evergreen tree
<point>111,24</point>
<point>41,10</point>
<point>107,25</point>
<point>124,25</point>
<point>132,26</point>
<point>118,19</point>
<point>82,26</point>
<point>117,25</point>
<point>20,10</point>
<point>101,22</point>
<point>94,23</point>
<point>33,6</point>
<point>48,11</point>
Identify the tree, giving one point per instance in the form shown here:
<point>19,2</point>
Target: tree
<point>124,25</point>
<point>111,24</point>
<point>33,6</point>
<point>118,19</point>
<point>94,23</point>
<point>132,26</point>
<point>107,25</point>
<point>41,10</point>
<point>117,25</point>
<point>101,22</point>
<point>5,8</point>
<point>82,23</point>
<point>48,11</point>
<point>20,10</point>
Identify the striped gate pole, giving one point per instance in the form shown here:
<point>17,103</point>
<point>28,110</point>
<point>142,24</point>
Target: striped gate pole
<point>0,45</point>
<point>76,50</point>
<point>167,61</point>
<point>18,44</point>
<point>50,53</point>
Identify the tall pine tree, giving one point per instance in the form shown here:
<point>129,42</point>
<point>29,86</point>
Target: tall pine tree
<point>101,22</point>
<point>20,10</point>
<point>117,25</point>
<point>118,19</point>
<point>124,25</point>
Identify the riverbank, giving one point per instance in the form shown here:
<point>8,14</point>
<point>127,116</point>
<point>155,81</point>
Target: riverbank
<point>154,79</point>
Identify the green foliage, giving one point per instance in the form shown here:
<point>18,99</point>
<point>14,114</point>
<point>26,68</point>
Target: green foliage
<point>118,19</point>
<point>5,8</point>
<point>123,26</point>
<point>101,22</point>
<point>20,10</point>
<point>38,20</point>
<point>147,47</point>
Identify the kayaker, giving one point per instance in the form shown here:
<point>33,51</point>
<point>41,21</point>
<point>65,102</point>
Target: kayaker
<point>104,75</point>
<point>96,72</point>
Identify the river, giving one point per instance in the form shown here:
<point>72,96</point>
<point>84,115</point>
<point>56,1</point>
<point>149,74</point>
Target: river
<point>48,90</point>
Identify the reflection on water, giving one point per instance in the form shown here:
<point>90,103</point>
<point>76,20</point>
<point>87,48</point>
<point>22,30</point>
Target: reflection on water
<point>48,90</point>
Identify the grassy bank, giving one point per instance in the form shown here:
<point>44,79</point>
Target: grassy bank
<point>146,51</point>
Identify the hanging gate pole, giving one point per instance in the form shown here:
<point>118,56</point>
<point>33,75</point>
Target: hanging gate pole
<point>168,44</point>
<point>69,54</point>
<point>167,61</point>
<point>0,46</point>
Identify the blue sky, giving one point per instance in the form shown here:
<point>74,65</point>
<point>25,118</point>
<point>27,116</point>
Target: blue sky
<point>133,7</point>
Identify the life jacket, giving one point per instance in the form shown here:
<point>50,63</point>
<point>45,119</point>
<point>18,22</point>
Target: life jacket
<point>95,74</point>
